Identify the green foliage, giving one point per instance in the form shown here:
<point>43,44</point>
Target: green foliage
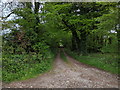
<point>0,67</point>
<point>35,35</point>
<point>112,48</point>
<point>41,48</point>
<point>107,62</point>
<point>20,67</point>
<point>109,20</point>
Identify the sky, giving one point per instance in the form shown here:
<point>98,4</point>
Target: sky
<point>6,0</point>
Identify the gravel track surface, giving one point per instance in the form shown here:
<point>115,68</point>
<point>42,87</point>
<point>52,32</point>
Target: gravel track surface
<point>69,75</point>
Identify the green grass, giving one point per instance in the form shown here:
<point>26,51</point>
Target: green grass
<point>107,62</point>
<point>0,74</point>
<point>0,69</point>
<point>62,55</point>
<point>22,67</point>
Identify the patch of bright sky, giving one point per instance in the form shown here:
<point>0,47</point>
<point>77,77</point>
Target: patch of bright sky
<point>6,1</point>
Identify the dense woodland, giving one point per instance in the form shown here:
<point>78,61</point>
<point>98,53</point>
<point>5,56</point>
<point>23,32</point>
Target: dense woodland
<point>87,31</point>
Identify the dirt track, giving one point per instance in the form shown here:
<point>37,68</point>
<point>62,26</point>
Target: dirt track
<point>69,75</point>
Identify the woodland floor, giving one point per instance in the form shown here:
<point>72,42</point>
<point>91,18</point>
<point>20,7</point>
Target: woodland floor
<point>69,75</point>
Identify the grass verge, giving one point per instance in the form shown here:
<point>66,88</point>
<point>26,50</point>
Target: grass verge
<point>22,67</point>
<point>107,61</point>
<point>62,55</point>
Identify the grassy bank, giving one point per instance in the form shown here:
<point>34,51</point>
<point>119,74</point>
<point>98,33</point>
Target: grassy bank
<point>107,61</point>
<point>21,67</point>
<point>62,55</point>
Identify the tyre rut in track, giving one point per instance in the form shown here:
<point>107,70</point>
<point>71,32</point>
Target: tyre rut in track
<point>69,75</point>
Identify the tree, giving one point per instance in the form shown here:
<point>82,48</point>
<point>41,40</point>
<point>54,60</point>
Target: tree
<point>78,18</point>
<point>109,21</point>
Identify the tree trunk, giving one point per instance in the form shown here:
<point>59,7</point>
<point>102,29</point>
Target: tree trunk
<point>36,10</point>
<point>37,20</point>
<point>74,44</point>
<point>118,29</point>
<point>83,43</point>
<point>75,38</point>
<point>118,36</point>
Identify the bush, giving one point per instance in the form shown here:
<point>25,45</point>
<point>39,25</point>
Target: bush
<point>110,48</point>
<point>20,67</point>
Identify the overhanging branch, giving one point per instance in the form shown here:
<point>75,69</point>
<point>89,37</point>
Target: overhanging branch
<point>7,16</point>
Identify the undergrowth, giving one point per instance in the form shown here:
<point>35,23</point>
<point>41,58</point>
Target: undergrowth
<point>21,67</point>
<point>62,55</point>
<point>106,61</point>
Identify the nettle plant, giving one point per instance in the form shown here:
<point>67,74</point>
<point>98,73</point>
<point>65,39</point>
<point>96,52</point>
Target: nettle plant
<point>41,49</point>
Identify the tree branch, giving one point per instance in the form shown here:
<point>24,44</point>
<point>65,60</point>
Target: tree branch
<point>7,16</point>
